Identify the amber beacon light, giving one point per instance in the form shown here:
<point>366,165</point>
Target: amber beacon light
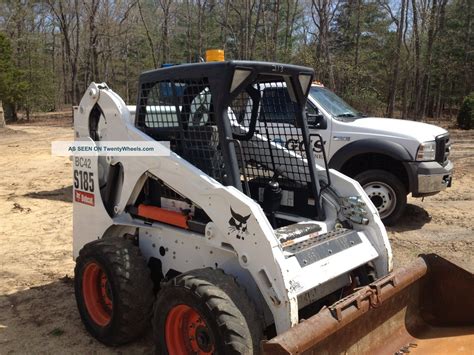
<point>214,55</point>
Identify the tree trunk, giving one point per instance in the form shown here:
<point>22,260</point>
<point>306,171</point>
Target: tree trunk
<point>265,35</point>
<point>405,99</point>
<point>357,38</point>
<point>65,19</point>
<point>148,35</point>
<point>322,8</point>
<point>417,84</point>
<point>256,29</point>
<point>428,60</point>
<point>2,117</point>
<point>396,67</point>
<point>165,46</point>
<point>200,18</point>
<point>189,31</point>
<point>64,68</point>
<point>276,26</point>
<point>53,64</point>
<point>224,25</point>
<point>467,60</point>
<point>289,28</point>
<point>92,58</point>
<point>75,57</point>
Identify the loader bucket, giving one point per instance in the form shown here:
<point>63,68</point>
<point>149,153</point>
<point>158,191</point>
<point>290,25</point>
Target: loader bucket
<point>425,308</point>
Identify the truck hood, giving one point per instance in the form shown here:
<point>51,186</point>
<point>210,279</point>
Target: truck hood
<point>419,131</point>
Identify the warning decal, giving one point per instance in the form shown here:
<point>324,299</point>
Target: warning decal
<point>84,197</point>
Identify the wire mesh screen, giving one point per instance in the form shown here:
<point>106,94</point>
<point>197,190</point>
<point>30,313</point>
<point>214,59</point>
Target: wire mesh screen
<point>158,106</point>
<point>182,112</point>
<point>264,120</point>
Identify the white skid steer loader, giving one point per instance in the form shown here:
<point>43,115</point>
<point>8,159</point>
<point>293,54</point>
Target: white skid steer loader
<point>227,240</point>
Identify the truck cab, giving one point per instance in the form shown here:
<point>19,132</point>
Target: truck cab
<point>390,158</point>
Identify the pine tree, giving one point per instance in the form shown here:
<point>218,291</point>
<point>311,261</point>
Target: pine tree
<point>12,89</point>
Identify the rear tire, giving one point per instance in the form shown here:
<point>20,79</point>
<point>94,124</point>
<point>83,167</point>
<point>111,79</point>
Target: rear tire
<point>114,291</point>
<point>205,311</point>
<point>387,193</point>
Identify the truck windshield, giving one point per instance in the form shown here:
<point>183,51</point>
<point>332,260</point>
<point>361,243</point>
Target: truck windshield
<point>333,104</point>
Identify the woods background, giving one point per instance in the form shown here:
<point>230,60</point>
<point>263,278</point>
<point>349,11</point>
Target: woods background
<point>406,58</point>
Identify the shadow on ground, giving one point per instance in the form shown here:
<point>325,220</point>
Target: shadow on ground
<point>5,131</point>
<point>413,218</point>
<point>62,194</point>
<point>45,318</point>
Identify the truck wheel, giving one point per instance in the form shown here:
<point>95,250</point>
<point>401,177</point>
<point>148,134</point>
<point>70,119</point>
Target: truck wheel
<point>205,311</point>
<point>114,291</point>
<point>386,192</point>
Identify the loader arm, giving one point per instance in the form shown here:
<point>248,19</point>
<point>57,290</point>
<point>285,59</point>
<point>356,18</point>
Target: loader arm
<point>189,181</point>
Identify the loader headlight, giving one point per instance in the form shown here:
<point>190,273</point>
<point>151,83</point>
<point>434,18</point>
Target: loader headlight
<point>426,151</point>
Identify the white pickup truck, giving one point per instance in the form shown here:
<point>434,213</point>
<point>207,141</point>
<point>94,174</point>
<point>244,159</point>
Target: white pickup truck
<point>389,157</point>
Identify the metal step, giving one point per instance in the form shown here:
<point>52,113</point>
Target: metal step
<point>323,246</point>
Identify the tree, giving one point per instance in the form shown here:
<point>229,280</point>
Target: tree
<point>11,89</point>
<point>466,113</point>
<point>67,15</point>
<point>323,12</point>
<point>400,23</point>
<point>2,117</point>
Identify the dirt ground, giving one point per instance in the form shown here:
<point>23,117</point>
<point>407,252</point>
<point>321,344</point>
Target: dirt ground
<point>38,313</point>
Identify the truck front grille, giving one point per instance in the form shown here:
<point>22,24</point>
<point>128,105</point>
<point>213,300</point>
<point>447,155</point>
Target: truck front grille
<point>443,148</point>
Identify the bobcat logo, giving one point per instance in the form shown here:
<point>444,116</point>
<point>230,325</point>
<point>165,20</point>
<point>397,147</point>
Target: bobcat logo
<point>238,224</point>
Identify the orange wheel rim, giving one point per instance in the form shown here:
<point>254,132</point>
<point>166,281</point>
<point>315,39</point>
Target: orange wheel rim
<point>97,294</point>
<point>186,332</point>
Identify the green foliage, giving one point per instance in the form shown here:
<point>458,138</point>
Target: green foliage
<point>367,101</point>
<point>39,93</point>
<point>362,50</point>
<point>11,89</point>
<point>466,112</point>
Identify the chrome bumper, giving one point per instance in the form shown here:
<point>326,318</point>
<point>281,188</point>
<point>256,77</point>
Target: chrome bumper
<point>434,182</point>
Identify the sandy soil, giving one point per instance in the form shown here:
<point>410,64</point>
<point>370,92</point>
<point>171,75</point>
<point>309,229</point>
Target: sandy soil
<point>37,306</point>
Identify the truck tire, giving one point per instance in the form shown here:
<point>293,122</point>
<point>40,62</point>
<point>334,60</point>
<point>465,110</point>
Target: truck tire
<point>114,290</point>
<point>386,192</point>
<point>205,311</point>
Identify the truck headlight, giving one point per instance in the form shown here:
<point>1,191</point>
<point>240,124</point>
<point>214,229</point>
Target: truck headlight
<point>426,151</point>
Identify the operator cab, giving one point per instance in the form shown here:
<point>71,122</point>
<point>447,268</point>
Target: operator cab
<point>215,116</point>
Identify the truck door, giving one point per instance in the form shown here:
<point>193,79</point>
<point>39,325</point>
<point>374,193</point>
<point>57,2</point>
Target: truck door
<point>276,106</point>
<point>277,112</point>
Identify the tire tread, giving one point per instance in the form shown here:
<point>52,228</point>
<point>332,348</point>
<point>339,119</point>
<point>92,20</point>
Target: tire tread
<point>133,281</point>
<point>236,316</point>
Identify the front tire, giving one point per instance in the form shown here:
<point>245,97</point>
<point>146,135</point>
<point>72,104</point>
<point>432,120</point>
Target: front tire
<point>114,291</point>
<point>386,192</point>
<point>203,312</point>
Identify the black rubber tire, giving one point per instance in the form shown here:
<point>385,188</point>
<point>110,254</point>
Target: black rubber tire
<point>394,182</point>
<point>131,289</point>
<point>231,317</point>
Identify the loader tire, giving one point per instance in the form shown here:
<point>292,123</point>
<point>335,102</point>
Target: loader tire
<point>114,290</point>
<point>205,311</point>
<point>386,192</point>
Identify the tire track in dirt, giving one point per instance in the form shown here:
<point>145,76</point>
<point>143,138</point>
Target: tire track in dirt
<point>442,223</point>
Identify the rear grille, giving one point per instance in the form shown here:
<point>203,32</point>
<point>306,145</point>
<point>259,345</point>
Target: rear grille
<point>443,148</point>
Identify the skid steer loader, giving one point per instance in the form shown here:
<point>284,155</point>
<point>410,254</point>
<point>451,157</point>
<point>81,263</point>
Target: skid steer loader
<point>229,240</point>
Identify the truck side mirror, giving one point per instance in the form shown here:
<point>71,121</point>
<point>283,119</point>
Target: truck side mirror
<point>316,120</point>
